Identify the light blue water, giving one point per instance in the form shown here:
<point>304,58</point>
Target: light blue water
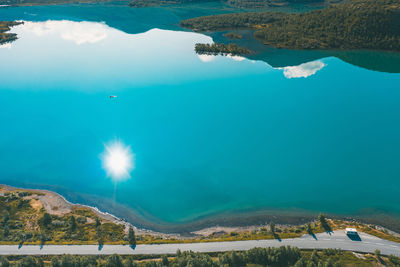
<point>209,134</point>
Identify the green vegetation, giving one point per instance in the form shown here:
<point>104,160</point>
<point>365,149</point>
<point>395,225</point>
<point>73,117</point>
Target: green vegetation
<point>324,223</point>
<point>131,237</point>
<point>355,24</point>
<point>251,4</point>
<point>358,24</point>
<point>150,3</point>
<point>24,220</point>
<point>231,21</point>
<point>256,257</point>
<point>271,3</point>
<point>220,49</point>
<point>5,26</point>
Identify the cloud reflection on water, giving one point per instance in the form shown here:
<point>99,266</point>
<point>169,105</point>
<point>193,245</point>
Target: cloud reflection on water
<point>77,32</point>
<point>303,70</point>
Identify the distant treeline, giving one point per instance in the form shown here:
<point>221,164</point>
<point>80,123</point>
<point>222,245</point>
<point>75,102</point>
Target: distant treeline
<point>257,257</point>
<point>271,3</point>
<point>220,49</point>
<point>231,21</point>
<point>234,3</point>
<point>149,3</point>
<point>45,2</point>
<point>356,24</point>
<point>4,28</point>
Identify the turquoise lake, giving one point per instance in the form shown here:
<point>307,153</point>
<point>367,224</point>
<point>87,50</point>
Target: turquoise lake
<point>210,134</point>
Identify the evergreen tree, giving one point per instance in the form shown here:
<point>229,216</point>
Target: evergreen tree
<point>4,262</point>
<point>45,220</point>
<point>131,237</point>
<point>114,261</point>
<point>72,224</point>
<point>164,260</point>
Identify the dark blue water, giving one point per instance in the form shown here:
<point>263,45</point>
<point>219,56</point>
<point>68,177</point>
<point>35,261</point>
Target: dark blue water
<point>209,134</point>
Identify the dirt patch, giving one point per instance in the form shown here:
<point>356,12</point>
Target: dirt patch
<point>36,204</point>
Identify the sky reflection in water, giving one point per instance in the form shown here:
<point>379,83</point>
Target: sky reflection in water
<point>209,133</point>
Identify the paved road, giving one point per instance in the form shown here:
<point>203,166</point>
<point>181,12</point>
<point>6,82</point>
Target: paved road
<point>338,239</point>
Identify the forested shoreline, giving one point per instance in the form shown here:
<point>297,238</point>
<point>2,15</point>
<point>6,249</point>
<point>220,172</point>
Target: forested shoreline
<point>357,24</point>
<point>251,4</point>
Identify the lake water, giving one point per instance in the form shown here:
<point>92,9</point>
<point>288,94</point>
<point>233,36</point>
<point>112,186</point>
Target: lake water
<point>209,134</point>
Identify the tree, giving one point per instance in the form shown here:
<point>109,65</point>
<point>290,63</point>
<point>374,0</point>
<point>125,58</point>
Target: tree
<point>164,260</point>
<point>272,227</point>
<point>6,217</point>
<point>314,256</point>
<point>98,223</point>
<point>6,231</point>
<point>55,262</point>
<point>322,218</point>
<point>129,263</point>
<point>377,253</point>
<point>28,261</point>
<point>68,260</point>
<point>4,262</point>
<point>329,263</point>
<point>101,241</point>
<point>131,237</point>
<point>114,261</point>
<point>72,224</point>
<point>21,239</point>
<point>324,222</point>
<point>309,229</point>
<point>300,263</point>
<point>45,220</point>
<point>42,239</point>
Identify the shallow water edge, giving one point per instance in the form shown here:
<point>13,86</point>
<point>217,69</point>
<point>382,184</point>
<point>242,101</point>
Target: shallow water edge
<point>243,218</point>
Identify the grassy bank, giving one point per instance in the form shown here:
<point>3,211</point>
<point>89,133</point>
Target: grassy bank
<point>41,217</point>
<point>26,218</point>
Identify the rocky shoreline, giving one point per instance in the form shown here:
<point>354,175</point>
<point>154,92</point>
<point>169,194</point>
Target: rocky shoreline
<point>222,224</point>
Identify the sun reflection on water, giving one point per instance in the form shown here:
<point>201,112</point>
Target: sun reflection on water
<point>118,160</point>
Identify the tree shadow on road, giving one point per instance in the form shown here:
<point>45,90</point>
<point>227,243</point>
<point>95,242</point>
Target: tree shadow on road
<point>277,237</point>
<point>132,247</point>
<point>310,232</point>
<point>100,247</point>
